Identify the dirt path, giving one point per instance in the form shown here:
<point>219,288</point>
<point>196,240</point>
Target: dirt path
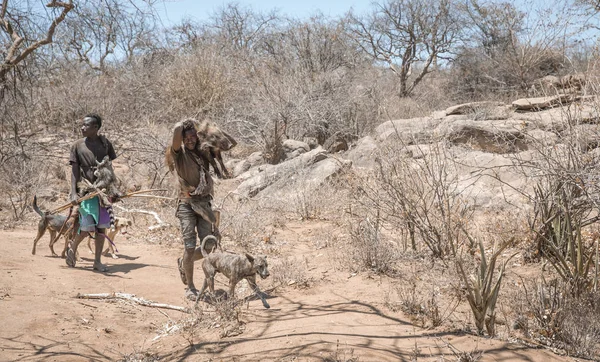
<point>338,319</point>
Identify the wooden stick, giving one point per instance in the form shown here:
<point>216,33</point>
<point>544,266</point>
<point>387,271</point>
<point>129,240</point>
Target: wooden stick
<point>96,193</point>
<point>132,298</point>
<point>153,197</point>
<point>141,192</point>
<point>66,206</point>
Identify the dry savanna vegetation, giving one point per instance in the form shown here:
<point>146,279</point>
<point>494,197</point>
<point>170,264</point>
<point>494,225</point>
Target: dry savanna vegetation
<point>436,161</point>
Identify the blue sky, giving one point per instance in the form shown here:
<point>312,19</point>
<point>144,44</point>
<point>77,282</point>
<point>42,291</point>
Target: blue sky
<point>175,10</point>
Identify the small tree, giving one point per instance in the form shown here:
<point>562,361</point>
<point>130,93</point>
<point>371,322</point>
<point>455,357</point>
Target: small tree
<point>408,36</point>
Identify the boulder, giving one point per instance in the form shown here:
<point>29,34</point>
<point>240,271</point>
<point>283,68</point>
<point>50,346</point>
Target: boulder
<point>364,153</point>
<point>473,107</point>
<point>487,136</point>
<point>408,131</point>
<point>539,103</point>
<point>260,179</point>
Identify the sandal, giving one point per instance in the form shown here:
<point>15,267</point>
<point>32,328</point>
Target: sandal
<point>191,294</point>
<point>70,259</point>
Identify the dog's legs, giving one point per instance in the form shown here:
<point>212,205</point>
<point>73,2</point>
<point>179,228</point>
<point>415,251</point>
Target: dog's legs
<point>204,285</point>
<point>259,293</point>
<point>54,240</point>
<point>224,169</point>
<point>213,163</point>
<point>110,250</point>
<point>41,232</point>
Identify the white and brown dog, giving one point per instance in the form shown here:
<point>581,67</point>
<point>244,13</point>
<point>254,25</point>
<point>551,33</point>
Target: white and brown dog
<point>121,226</point>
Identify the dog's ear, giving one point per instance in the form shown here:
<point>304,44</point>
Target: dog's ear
<point>250,257</point>
<point>129,223</point>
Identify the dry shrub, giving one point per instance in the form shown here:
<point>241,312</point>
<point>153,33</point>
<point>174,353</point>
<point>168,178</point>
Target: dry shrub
<point>198,81</point>
<point>562,320</point>
<point>143,356</point>
<point>291,272</point>
<point>341,355</point>
<point>424,308</point>
<point>370,249</point>
<point>19,180</point>
<point>246,221</point>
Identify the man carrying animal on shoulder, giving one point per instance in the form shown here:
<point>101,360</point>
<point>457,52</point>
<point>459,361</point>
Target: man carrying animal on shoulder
<point>88,155</point>
<point>194,209</point>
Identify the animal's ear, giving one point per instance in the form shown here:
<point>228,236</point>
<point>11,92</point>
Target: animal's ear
<point>129,223</point>
<point>250,257</point>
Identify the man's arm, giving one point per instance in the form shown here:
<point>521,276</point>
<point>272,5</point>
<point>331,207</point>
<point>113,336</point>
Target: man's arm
<point>75,173</point>
<point>75,178</point>
<point>177,137</point>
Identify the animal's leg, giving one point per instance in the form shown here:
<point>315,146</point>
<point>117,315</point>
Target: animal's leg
<point>110,250</point>
<point>41,232</point>
<point>219,158</point>
<point>213,163</point>
<point>259,293</point>
<point>204,285</point>
<point>53,239</point>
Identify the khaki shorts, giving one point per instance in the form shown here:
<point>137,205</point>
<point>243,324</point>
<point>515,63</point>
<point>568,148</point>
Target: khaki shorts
<point>192,225</point>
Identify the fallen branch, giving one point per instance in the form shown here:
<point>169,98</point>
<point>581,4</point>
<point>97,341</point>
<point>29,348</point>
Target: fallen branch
<point>132,298</point>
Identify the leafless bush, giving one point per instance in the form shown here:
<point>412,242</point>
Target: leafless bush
<point>246,221</point>
<point>143,356</point>
<point>563,321</point>
<point>144,154</point>
<point>465,356</point>
<point>290,272</point>
<point>371,250</point>
<point>341,355</point>
<point>19,180</point>
<point>421,196</point>
<point>421,302</point>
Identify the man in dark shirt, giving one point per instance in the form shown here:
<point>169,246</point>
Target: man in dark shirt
<point>92,215</point>
<point>194,211</point>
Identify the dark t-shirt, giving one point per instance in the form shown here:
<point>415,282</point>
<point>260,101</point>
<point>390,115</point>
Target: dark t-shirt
<point>85,153</point>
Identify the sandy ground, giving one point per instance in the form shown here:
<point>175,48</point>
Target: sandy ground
<point>341,317</point>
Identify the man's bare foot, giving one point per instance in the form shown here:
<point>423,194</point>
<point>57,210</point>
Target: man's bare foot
<point>100,267</point>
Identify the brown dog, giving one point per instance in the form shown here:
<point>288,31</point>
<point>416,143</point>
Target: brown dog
<point>57,225</point>
<point>121,226</point>
<point>235,268</point>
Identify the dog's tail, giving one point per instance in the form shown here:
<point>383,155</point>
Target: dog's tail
<point>214,240</point>
<point>36,208</point>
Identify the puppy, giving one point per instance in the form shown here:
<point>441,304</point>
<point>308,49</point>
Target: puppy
<point>235,268</point>
<point>55,224</point>
<point>121,226</point>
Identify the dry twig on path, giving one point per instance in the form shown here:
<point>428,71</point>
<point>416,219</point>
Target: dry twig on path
<point>132,298</point>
